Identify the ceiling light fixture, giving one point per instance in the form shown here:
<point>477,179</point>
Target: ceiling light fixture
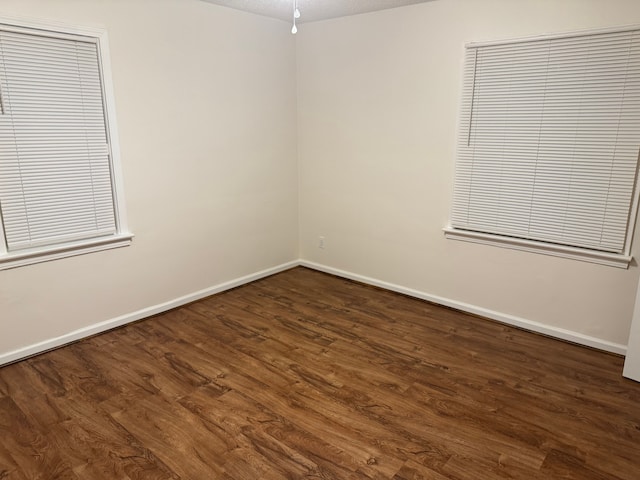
<point>296,15</point>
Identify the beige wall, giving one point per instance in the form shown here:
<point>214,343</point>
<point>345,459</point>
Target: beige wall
<point>378,100</point>
<point>206,119</point>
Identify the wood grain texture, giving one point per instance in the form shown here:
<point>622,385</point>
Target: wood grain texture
<point>305,375</point>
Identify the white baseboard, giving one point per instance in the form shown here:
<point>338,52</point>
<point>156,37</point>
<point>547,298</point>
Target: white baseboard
<point>94,329</point>
<point>531,325</point>
<point>56,342</point>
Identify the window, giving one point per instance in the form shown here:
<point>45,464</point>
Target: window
<point>60,192</point>
<point>548,145</point>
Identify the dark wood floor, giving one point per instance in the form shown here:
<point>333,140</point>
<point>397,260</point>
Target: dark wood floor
<point>304,375</point>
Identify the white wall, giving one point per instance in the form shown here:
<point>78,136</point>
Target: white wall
<point>378,99</point>
<point>206,106</point>
<point>206,119</point>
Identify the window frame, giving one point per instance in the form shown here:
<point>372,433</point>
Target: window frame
<point>620,260</point>
<point>122,237</point>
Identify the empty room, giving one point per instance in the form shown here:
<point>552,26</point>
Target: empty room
<point>321,239</point>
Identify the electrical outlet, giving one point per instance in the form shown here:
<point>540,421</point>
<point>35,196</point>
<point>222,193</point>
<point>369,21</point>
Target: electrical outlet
<point>320,242</point>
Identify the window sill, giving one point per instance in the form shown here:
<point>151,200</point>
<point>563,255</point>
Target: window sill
<point>45,254</point>
<point>592,256</point>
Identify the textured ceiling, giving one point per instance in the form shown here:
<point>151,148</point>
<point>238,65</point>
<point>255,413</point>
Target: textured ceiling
<point>312,10</point>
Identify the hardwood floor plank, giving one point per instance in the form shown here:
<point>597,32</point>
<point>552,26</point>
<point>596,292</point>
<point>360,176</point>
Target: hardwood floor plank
<point>101,449</point>
<point>254,426</point>
<point>564,466</point>
<point>303,375</point>
<point>414,471</point>
<point>338,453</point>
<point>28,447</point>
<point>8,466</point>
<point>177,438</point>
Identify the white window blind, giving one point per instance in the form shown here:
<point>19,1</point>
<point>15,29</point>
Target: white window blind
<point>548,140</point>
<point>55,172</point>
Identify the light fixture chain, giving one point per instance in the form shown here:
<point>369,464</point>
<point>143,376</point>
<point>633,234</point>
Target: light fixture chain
<point>296,15</point>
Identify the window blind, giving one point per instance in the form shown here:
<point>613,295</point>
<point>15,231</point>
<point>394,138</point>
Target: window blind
<point>548,139</point>
<point>55,174</point>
